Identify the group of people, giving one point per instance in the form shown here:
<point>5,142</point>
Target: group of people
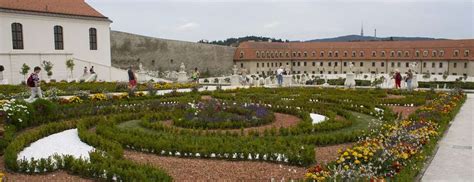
<point>408,79</point>
<point>91,71</point>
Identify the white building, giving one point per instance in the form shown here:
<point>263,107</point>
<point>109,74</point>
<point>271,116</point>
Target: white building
<point>33,31</point>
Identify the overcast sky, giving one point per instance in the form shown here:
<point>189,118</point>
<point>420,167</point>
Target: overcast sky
<point>193,20</point>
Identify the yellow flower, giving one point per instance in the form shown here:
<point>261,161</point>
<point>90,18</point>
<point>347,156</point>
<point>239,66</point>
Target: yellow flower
<point>357,162</point>
<point>346,167</point>
<point>346,154</point>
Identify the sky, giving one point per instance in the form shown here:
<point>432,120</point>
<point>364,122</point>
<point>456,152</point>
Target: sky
<point>193,20</point>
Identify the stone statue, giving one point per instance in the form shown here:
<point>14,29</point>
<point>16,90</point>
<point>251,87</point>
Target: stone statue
<point>287,70</point>
<point>182,68</point>
<point>140,66</point>
<point>235,69</point>
<point>351,66</point>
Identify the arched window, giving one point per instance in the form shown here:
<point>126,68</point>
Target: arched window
<point>264,55</point>
<point>93,39</point>
<point>241,54</point>
<point>466,53</point>
<point>456,53</point>
<point>354,54</point>
<point>407,54</point>
<point>434,54</point>
<point>258,54</point>
<point>441,53</point>
<point>281,54</point>
<point>330,54</point>
<point>346,53</point>
<point>287,54</point>
<point>383,53</point>
<point>417,54</point>
<point>399,53</point>
<point>321,54</point>
<point>361,53</point>
<point>374,54</point>
<point>305,54</point>
<point>299,54</point>
<point>425,53</point>
<point>294,54</point>
<point>268,54</point>
<point>17,35</point>
<point>392,53</point>
<point>58,38</point>
<point>336,54</point>
<point>314,53</point>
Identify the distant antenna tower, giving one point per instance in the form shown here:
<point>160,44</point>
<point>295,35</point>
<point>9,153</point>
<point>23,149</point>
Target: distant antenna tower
<point>362,29</point>
<point>375,33</point>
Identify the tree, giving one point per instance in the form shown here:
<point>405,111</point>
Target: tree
<point>70,65</point>
<point>48,66</point>
<point>24,70</point>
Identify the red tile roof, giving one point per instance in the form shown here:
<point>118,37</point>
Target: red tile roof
<point>250,50</point>
<point>65,7</point>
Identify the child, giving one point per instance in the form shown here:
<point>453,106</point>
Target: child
<point>34,83</point>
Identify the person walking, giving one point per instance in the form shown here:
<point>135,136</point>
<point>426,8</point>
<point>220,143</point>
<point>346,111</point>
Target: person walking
<point>195,76</point>
<point>132,80</point>
<point>33,83</point>
<point>398,79</point>
<point>280,76</point>
<point>85,71</point>
<point>409,79</point>
<point>92,70</point>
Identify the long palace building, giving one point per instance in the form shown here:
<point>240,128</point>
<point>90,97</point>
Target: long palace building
<point>436,57</point>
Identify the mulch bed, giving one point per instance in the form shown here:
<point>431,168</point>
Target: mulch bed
<point>281,120</point>
<point>406,111</point>
<point>186,169</point>
<point>54,176</point>
<point>327,154</point>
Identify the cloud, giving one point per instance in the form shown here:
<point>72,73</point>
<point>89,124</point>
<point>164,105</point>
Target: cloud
<point>188,26</point>
<point>271,25</point>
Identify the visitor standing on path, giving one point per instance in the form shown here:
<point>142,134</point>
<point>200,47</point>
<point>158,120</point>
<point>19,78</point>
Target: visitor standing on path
<point>409,79</point>
<point>280,76</point>
<point>132,80</point>
<point>85,71</point>
<point>34,83</point>
<point>398,79</point>
<point>195,75</point>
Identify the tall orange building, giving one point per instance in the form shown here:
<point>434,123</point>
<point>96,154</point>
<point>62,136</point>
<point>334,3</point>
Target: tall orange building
<point>436,57</point>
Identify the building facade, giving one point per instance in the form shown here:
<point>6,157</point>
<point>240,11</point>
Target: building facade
<point>436,57</point>
<point>34,31</point>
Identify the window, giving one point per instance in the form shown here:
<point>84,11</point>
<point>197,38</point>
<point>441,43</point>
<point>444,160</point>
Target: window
<point>425,53</point>
<point>434,54</point>
<point>281,64</point>
<point>335,72</point>
<point>424,64</point>
<point>321,64</point>
<point>268,54</point>
<point>354,54</point>
<point>382,64</point>
<point>407,64</point>
<point>273,65</point>
<point>268,64</point>
<point>407,54</point>
<point>299,63</point>
<point>361,53</point>
<point>263,65</point>
<point>433,65</point>
<point>258,55</point>
<point>345,64</point>
<point>58,38</point>
<point>287,54</point>
<point>329,72</point>
<point>314,53</point>
<point>373,64</point>
<point>345,53</point>
<point>299,54</point>
<point>93,40</point>
<point>399,53</point>
<point>455,65</point>
<point>417,54</point>
<point>466,53</point>
<point>374,54</point>
<point>361,64</point>
<point>441,53</point>
<point>241,53</point>
<point>322,54</point>
<point>305,54</point>
<point>330,54</point>
<point>314,63</point>
<point>304,63</point>
<point>281,54</point>
<point>329,63</point>
<point>294,54</point>
<point>456,53</point>
<point>465,65</point>
<point>440,65</point>
<point>393,64</point>
<point>294,63</point>
<point>241,65</point>
<point>336,54</point>
<point>17,35</point>
<point>392,54</point>
<point>399,64</point>
<point>335,63</point>
<point>276,54</point>
<point>383,53</point>
<point>258,65</point>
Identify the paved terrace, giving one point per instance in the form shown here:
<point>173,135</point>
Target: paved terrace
<point>454,158</point>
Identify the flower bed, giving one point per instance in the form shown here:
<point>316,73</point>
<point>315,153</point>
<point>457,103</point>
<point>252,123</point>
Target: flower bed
<point>213,114</point>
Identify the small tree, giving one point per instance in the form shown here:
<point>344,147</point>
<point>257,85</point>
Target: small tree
<point>24,70</point>
<point>48,66</point>
<point>70,65</point>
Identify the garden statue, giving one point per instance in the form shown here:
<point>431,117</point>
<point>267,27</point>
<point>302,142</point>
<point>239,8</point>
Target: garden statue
<point>235,69</point>
<point>325,81</point>
<point>182,68</point>
<point>140,66</point>
<point>350,67</point>
<point>234,78</point>
<point>414,81</point>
